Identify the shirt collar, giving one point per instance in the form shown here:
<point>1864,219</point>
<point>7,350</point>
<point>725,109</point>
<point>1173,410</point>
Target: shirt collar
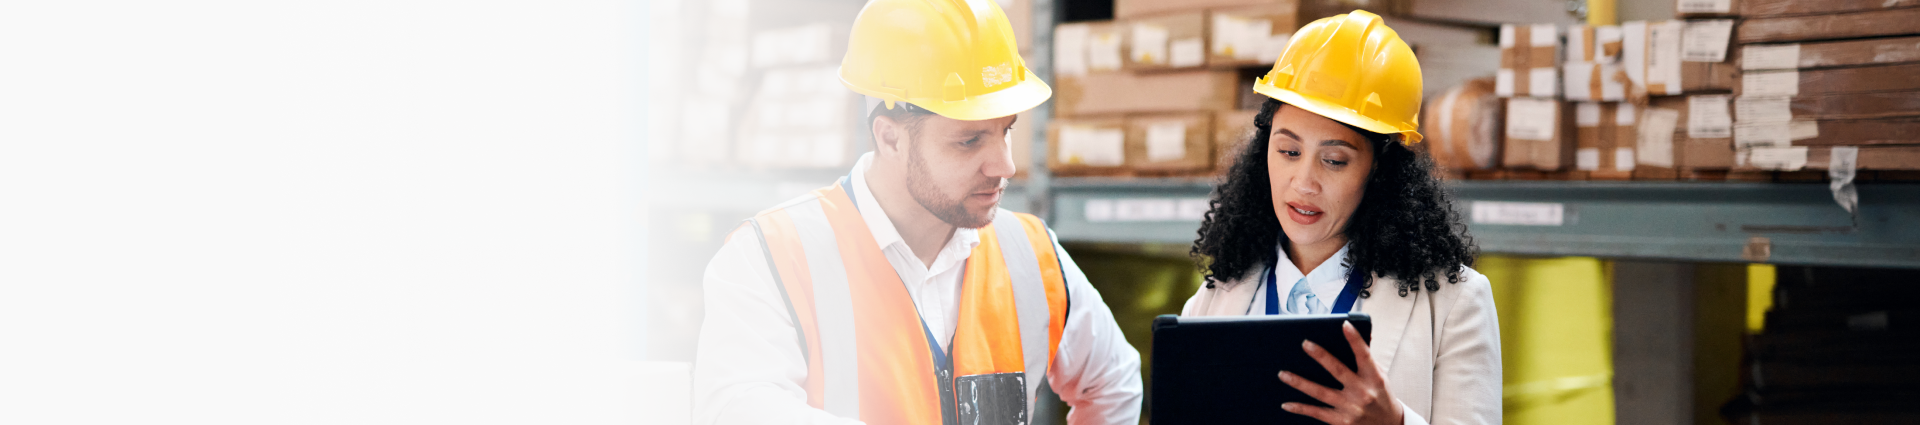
<point>1326,280</point>
<point>882,227</point>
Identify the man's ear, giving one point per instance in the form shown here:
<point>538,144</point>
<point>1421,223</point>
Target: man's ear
<point>889,137</point>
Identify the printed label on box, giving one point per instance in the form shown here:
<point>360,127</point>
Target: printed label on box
<point>1070,50</point>
<point>1166,141</point>
<point>1765,56</point>
<point>1276,45</point>
<point>1761,134</point>
<point>1706,41</point>
<point>1770,83</point>
<point>1149,44</point>
<point>1779,159</point>
<point>1762,109</point>
<point>1656,137</point>
<point>1188,52</point>
<point>1103,51</point>
<point>1707,117</point>
<point>1532,119</point>
<point>1663,61</point>
<point>1093,146</point>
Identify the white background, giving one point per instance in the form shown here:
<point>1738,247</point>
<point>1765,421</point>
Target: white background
<point>341,211</point>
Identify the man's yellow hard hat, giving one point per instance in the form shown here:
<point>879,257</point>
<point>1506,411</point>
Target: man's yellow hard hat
<point>1353,69</point>
<point>956,58</point>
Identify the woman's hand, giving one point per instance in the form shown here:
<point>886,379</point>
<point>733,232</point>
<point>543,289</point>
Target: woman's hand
<point>1363,397</point>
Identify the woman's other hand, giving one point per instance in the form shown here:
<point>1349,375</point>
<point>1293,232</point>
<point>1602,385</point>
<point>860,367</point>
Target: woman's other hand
<point>1363,397</point>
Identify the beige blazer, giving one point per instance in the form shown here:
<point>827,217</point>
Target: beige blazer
<point>1439,350</point>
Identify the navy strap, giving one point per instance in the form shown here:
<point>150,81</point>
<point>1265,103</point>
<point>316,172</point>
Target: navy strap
<point>1342,305</point>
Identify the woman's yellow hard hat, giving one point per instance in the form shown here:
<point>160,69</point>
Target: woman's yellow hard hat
<point>1353,69</point>
<point>956,58</point>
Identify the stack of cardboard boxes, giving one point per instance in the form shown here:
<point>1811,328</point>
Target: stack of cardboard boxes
<point>1828,85</point>
<point>1158,90</point>
<point>1642,100</point>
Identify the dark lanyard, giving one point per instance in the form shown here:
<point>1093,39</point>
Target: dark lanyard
<point>1340,305</point>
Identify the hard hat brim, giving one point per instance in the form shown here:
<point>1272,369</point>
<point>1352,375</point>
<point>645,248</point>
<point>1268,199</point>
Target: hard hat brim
<point>1009,101</point>
<point>1337,113</point>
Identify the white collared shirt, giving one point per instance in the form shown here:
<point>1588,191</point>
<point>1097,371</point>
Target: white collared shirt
<point>1326,280</point>
<point>749,370</point>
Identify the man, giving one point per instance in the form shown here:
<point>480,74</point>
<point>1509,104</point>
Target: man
<point>902,294</point>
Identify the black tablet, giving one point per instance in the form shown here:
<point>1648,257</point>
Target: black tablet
<point>1225,370</point>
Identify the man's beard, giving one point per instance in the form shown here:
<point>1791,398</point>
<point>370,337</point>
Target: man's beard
<point>952,211</point>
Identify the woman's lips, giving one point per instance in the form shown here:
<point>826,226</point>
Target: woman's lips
<point>1304,214</point>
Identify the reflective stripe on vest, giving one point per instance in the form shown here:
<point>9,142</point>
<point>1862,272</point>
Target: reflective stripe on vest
<point>868,355</point>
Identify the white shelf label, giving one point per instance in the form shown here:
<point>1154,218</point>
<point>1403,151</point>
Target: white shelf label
<point>1146,209</point>
<point>1519,213</point>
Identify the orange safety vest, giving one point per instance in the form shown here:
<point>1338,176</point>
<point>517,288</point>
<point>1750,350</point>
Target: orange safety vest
<point>870,357</point>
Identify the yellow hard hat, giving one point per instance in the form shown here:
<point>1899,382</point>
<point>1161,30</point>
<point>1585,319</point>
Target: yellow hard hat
<point>1353,69</point>
<point>956,58</point>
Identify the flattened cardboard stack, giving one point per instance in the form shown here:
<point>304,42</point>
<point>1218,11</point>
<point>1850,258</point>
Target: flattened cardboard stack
<point>1686,128</point>
<point>1837,348</point>
<point>1150,93</point>
<point>1829,85</point>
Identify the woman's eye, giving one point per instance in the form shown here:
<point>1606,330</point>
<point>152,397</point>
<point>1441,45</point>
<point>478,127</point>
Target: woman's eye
<point>1290,154</point>
<point>1336,163</point>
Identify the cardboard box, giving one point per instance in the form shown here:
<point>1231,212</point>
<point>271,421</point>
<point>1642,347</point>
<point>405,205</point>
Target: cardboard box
<point>1880,78</point>
<point>1875,51</point>
<point>1900,131</point>
<point>1124,93</point>
<point>1088,48</point>
<point>1884,157</point>
<point>1170,144</point>
<point>1087,146</point>
<point>1597,152</point>
<point>1685,132</point>
<point>1231,131</point>
<point>1588,81</point>
<point>1878,23</point>
<point>1773,8</point>
<point>1701,77</point>
<point>1309,10</point>
<point>1846,106</point>
<point>1529,61</point>
<point>1125,9</point>
<point>1624,132</point>
<point>1538,135</point>
<point>1664,72</point>
<point>1157,43</point>
<point>1249,35</point>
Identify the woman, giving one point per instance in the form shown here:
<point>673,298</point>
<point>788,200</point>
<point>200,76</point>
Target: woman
<point>1327,198</point>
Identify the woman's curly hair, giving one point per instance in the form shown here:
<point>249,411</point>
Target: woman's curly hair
<point>1404,228</point>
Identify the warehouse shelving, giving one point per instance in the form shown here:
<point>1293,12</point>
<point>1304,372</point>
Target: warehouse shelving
<point>1680,221</point>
